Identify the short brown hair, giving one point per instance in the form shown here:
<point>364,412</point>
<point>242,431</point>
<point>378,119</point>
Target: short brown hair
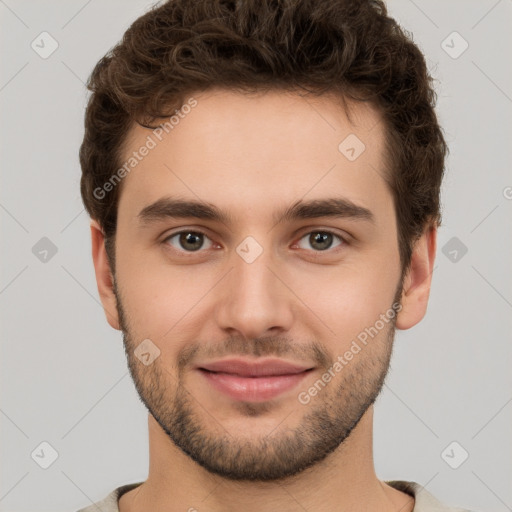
<point>348,47</point>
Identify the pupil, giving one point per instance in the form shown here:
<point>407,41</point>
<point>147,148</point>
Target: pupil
<point>322,240</point>
<point>192,239</point>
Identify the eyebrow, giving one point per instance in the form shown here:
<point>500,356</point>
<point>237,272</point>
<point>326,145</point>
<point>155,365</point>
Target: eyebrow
<point>173,208</point>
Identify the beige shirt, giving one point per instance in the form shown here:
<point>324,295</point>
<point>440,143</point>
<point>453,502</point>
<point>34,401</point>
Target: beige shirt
<point>424,501</point>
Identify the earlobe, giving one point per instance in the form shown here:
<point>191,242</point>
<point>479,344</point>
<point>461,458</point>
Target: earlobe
<point>416,287</point>
<point>104,278</point>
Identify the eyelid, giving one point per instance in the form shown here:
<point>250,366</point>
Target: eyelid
<point>200,231</point>
<point>344,236</point>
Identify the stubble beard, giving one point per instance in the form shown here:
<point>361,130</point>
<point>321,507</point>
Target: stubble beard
<point>327,421</point>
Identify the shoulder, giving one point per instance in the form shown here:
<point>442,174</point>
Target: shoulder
<point>110,502</point>
<point>424,500</point>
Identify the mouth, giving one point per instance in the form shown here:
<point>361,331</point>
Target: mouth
<point>254,382</point>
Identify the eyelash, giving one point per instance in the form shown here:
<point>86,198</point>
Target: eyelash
<point>330,250</point>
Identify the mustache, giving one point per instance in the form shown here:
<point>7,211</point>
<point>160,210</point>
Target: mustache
<point>276,346</point>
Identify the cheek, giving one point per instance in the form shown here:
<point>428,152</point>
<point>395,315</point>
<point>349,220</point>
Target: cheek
<point>157,296</point>
<point>347,299</point>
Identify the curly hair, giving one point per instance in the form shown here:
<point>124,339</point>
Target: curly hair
<point>351,48</point>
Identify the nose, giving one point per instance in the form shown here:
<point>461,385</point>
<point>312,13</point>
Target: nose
<point>255,300</point>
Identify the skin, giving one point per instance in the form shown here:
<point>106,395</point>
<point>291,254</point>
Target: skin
<point>253,156</point>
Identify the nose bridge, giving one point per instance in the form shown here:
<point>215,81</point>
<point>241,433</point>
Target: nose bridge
<point>254,300</point>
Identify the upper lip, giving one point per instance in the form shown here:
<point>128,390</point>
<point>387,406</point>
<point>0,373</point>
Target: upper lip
<point>244,368</point>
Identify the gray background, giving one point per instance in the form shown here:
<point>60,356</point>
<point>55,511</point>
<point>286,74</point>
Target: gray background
<point>64,378</point>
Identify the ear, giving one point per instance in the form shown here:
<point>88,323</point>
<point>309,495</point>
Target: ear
<point>104,277</point>
<point>416,288</point>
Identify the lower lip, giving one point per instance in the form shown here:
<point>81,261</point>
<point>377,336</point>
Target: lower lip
<point>253,389</point>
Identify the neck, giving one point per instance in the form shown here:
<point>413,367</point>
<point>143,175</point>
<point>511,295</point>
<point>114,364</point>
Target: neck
<point>345,480</point>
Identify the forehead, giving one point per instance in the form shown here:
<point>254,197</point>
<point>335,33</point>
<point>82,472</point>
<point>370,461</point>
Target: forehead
<point>242,151</point>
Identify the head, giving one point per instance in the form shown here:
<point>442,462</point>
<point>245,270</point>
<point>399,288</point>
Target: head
<point>244,108</point>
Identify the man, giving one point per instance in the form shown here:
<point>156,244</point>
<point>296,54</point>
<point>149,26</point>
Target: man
<point>263,180</point>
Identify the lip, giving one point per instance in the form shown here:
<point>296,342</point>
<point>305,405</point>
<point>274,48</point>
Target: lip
<point>253,381</point>
<point>244,368</point>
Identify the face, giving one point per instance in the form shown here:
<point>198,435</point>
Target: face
<point>289,255</point>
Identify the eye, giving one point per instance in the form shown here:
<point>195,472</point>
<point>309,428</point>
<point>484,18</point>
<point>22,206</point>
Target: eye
<point>189,241</point>
<point>192,241</point>
<point>320,240</point>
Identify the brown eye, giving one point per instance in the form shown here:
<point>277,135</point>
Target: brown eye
<point>189,241</point>
<point>320,240</point>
